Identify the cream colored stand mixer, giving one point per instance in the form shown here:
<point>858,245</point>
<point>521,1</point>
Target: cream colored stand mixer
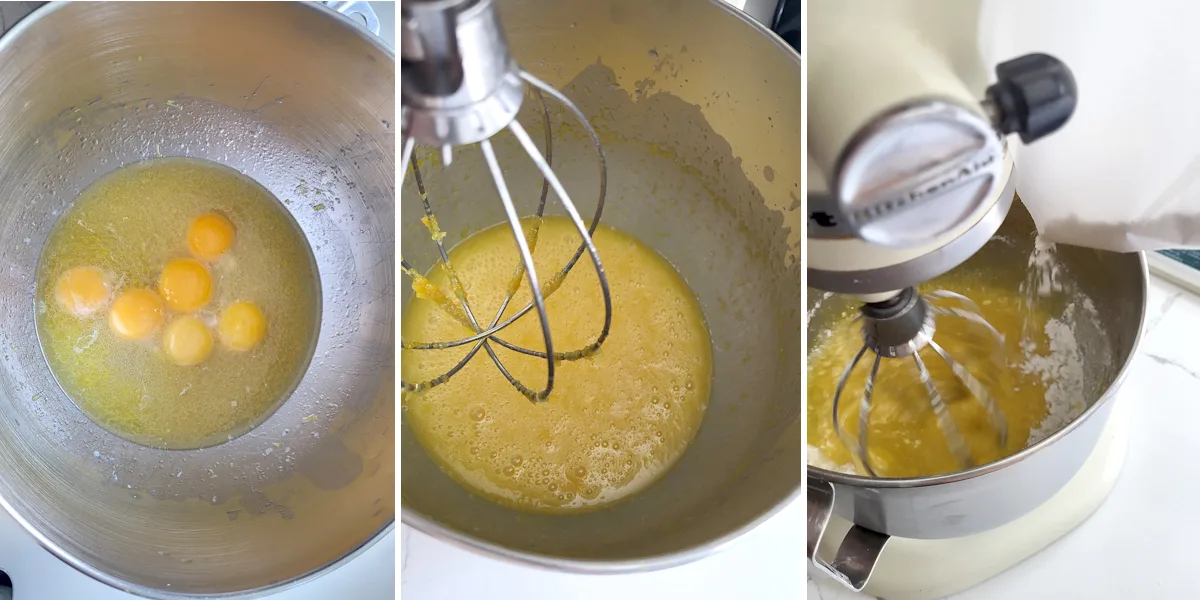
<point>910,174</point>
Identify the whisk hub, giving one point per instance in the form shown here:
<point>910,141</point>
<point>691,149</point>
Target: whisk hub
<point>899,326</point>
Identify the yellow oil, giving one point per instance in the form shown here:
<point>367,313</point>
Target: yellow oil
<point>616,420</point>
<point>130,223</point>
<point>904,439</point>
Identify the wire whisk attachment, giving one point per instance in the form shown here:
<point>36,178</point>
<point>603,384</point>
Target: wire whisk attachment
<point>899,329</point>
<point>461,88</point>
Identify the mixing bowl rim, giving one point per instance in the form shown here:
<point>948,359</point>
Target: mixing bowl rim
<point>6,40</point>
<point>761,28</point>
<point>157,594</point>
<point>54,5</point>
<point>967,474</point>
<point>655,562</point>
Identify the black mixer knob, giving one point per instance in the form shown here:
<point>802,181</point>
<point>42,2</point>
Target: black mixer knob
<point>1033,96</point>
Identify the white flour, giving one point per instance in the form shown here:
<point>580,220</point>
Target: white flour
<point>1044,270</point>
<point>1061,371</point>
<point>1041,281</point>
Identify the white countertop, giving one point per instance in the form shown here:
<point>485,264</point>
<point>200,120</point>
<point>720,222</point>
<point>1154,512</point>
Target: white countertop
<point>1137,544</point>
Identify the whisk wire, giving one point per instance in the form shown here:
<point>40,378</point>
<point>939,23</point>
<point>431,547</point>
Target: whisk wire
<point>514,222</point>
<point>459,290</point>
<point>569,207</point>
<point>451,274</point>
<point>542,86</point>
<point>837,396</point>
<point>977,390</point>
<point>864,417</point>
<point>456,284</point>
<point>407,145</point>
<point>972,313</point>
<point>953,437</point>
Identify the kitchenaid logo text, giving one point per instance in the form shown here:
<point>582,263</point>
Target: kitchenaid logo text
<point>979,166</point>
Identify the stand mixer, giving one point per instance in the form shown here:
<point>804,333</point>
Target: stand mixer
<point>910,174</point>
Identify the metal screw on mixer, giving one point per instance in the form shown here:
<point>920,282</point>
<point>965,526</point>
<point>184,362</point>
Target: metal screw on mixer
<point>460,86</point>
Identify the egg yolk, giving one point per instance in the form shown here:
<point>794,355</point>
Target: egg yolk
<point>242,326</point>
<point>82,291</point>
<point>209,236</point>
<point>187,341</point>
<point>136,314</point>
<point>185,284</point>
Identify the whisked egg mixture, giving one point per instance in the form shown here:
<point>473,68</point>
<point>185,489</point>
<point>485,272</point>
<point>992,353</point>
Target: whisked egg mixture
<point>904,437</point>
<point>617,419</point>
<point>178,303</point>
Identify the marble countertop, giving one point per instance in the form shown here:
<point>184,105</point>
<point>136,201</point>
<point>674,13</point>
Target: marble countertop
<point>1137,544</point>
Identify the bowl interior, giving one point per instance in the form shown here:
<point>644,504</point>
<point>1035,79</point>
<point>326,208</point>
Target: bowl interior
<point>1112,283</point>
<point>300,101</point>
<point>703,165</point>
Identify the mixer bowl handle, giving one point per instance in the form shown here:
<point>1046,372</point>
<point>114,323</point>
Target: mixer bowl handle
<point>357,10</point>
<point>859,550</point>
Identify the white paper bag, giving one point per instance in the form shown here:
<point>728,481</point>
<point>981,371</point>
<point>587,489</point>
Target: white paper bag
<point>1124,173</point>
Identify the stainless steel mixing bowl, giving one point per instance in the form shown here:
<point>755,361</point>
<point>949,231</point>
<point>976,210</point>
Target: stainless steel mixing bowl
<point>966,502</point>
<point>703,149</point>
<point>301,100</point>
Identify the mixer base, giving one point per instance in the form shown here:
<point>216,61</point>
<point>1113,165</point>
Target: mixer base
<point>911,569</point>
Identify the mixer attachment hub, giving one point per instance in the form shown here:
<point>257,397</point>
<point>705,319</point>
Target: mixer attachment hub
<point>899,326</point>
<point>459,84</point>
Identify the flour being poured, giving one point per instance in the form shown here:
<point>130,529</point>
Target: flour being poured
<point>1061,369</point>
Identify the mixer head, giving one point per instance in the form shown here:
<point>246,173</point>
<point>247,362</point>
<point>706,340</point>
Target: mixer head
<point>461,87</point>
<point>917,188</point>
